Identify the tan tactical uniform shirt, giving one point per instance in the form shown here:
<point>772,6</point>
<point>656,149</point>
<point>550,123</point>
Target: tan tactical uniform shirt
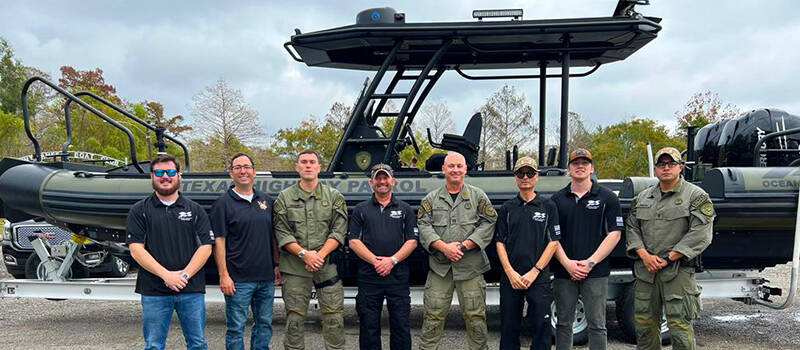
<point>681,220</point>
<point>308,219</point>
<point>471,217</point>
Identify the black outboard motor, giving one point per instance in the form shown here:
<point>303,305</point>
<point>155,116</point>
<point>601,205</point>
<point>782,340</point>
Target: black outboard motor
<point>740,135</point>
<point>706,147</point>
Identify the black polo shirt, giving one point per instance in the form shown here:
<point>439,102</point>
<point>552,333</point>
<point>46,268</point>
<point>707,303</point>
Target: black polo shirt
<point>247,228</point>
<point>171,234</point>
<point>383,230</point>
<point>526,228</point>
<point>585,222</point>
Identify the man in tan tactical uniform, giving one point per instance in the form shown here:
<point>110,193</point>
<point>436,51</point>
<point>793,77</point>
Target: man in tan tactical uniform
<point>310,223</point>
<point>669,225</point>
<point>456,223</point>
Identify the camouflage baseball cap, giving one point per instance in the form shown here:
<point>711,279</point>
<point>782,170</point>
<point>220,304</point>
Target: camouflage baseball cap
<point>672,152</point>
<point>526,162</point>
<point>580,153</point>
<point>381,168</point>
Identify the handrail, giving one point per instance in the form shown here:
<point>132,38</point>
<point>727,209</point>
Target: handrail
<point>286,47</point>
<point>534,76</point>
<point>757,149</point>
<point>69,96</point>
<point>159,133</point>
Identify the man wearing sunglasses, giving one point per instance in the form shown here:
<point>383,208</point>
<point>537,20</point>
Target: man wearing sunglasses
<point>527,235</point>
<point>591,224</point>
<point>669,226</point>
<point>246,253</point>
<point>456,223</point>
<point>170,237</point>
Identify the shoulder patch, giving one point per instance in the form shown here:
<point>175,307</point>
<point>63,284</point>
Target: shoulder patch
<point>703,203</point>
<point>338,203</point>
<point>424,208</point>
<point>485,208</point>
<point>707,209</point>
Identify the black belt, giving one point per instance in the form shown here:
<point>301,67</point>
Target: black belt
<point>327,283</point>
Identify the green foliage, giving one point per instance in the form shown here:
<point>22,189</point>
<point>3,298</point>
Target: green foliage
<point>11,134</point>
<point>620,149</point>
<point>310,134</point>
<point>12,76</point>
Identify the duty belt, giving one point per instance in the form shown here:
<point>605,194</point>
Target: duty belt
<point>327,283</point>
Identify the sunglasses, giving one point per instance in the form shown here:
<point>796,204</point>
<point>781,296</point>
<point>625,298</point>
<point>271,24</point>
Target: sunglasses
<point>161,172</point>
<point>521,174</point>
<point>662,165</point>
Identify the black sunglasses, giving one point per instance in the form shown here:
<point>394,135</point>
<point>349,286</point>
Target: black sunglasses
<point>161,172</point>
<point>521,174</point>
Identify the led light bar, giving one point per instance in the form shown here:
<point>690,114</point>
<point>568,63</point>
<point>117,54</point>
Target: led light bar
<point>500,13</point>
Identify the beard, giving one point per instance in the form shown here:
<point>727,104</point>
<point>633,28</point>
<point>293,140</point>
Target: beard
<point>166,191</point>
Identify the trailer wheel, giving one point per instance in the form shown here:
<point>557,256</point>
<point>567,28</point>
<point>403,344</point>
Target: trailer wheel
<point>580,326</point>
<point>624,312</point>
<point>34,269</point>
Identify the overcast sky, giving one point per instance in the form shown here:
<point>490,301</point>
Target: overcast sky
<point>167,51</point>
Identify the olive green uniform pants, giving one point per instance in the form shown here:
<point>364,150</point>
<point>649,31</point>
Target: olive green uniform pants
<point>436,303</point>
<point>679,297</point>
<point>296,295</point>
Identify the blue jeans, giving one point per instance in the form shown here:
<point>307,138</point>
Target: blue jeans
<point>259,296</point>
<point>157,313</point>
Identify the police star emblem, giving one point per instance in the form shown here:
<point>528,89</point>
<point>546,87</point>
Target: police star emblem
<point>262,205</point>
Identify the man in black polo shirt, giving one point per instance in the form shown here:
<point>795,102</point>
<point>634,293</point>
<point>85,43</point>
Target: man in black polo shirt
<point>527,234</point>
<point>591,223</point>
<point>170,237</point>
<point>245,251</point>
<point>383,233</point>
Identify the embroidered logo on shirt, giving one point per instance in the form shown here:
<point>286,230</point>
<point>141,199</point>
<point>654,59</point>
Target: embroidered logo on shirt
<point>557,230</point>
<point>619,221</point>
<point>396,214</point>
<point>262,205</point>
<point>211,234</point>
<point>185,216</point>
<point>539,216</point>
<point>416,232</point>
<point>593,204</point>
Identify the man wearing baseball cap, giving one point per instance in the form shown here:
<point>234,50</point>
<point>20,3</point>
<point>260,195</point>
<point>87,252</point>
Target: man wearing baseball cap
<point>591,225</point>
<point>527,234</point>
<point>669,226</point>
<point>383,233</point>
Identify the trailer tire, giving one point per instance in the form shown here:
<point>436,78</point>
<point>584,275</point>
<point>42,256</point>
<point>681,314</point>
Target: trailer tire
<point>624,312</point>
<point>580,327</point>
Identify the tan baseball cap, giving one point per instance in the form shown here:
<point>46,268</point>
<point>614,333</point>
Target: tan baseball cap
<point>580,153</point>
<point>381,168</point>
<point>670,151</point>
<point>526,162</point>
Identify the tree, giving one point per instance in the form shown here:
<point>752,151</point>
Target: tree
<point>620,149</point>
<point>11,131</point>
<point>506,123</point>
<point>579,136</point>
<point>12,76</point>
<point>310,134</point>
<point>223,119</point>
<point>437,117</point>
<point>338,115</point>
<point>703,108</point>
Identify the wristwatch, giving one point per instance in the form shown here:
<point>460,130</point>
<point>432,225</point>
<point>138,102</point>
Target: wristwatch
<point>591,263</point>
<point>301,254</point>
<point>537,267</point>
<point>394,261</point>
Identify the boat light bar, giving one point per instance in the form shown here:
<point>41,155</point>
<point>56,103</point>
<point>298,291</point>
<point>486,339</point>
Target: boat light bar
<point>500,13</point>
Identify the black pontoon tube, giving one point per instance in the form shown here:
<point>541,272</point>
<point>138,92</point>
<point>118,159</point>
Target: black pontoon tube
<point>134,118</point>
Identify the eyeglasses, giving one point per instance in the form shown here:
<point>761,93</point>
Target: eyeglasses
<point>521,174</point>
<point>240,167</point>
<point>662,165</point>
<point>161,172</point>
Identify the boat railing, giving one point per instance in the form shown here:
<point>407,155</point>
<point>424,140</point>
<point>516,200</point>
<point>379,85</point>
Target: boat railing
<point>37,147</point>
<point>758,150</point>
<point>159,131</point>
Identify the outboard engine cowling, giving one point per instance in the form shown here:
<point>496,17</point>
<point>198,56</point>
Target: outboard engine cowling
<point>740,135</point>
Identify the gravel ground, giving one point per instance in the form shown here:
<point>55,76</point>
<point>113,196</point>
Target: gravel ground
<point>44,324</point>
